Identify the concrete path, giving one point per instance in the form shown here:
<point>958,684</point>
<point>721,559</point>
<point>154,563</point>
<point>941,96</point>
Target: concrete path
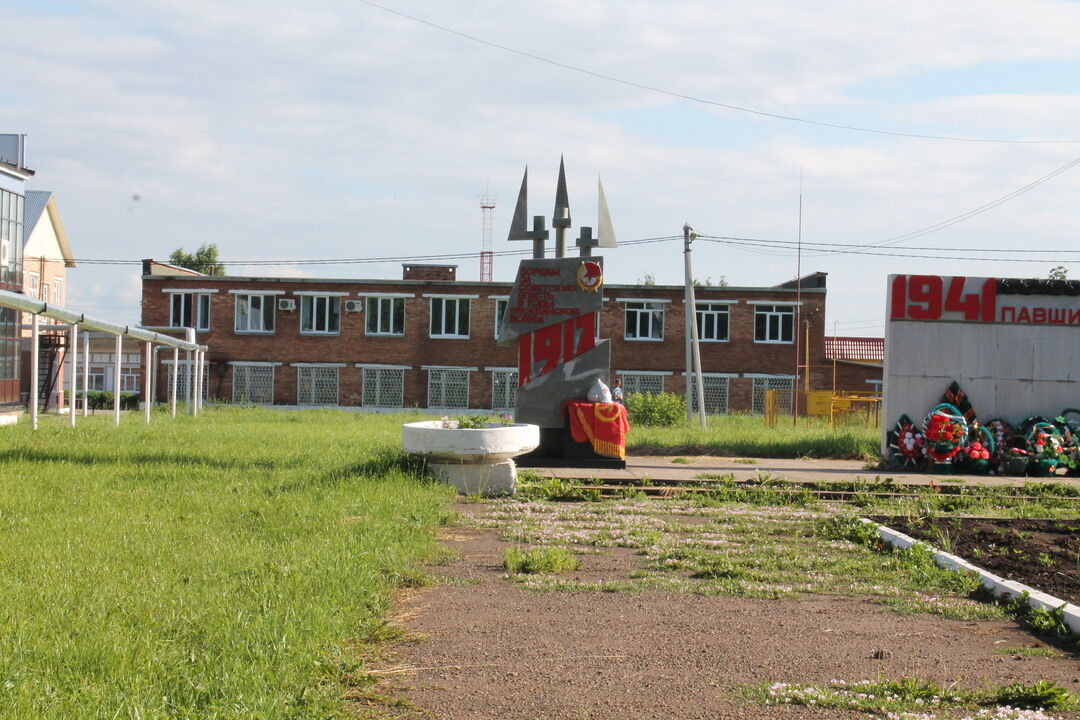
<point>661,467</point>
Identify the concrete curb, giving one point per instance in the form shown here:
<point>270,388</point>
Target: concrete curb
<point>998,586</point>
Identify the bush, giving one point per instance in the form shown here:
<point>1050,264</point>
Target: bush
<point>545,560</point>
<point>100,400</point>
<point>656,409</point>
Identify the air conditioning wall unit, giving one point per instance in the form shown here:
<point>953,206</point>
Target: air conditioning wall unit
<point>352,306</point>
<point>286,304</point>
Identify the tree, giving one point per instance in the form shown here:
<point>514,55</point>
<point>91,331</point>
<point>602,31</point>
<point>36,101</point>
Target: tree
<point>204,260</point>
<point>708,282</point>
<point>649,279</point>
<point>1059,273</point>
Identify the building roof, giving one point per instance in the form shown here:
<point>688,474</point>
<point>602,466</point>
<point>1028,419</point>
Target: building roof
<point>866,349</point>
<point>36,205</point>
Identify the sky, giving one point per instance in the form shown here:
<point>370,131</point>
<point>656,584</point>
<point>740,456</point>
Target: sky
<point>346,129</point>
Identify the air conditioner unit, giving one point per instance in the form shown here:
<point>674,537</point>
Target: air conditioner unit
<point>286,304</point>
<point>354,306</point>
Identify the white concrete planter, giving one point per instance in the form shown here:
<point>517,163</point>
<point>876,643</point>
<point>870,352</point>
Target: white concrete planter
<point>474,460</point>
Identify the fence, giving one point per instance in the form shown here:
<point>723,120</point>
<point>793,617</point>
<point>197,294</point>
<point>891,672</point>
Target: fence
<point>75,321</point>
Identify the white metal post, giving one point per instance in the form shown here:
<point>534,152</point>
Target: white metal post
<point>190,379</point>
<point>86,374</point>
<point>175,373</point>
<point>34,355</point>
<point>146,378</point>
<point>74,361</point>
<point>116,380</point>
<point>197,382</point>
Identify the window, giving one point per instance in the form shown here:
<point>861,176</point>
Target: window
<point>385,316</point>
<point>11,237</point>
<point>500,312</point>
<point>449,317</point>
<point>774,323</point>
<point>642,382</point>
<point>644,321</point>
<point>320,314</point>
<point>253,384</point>
<point>130,381</point>
<point>58,286</point>
<point>96,379</point>
<point>715,389</point>
<point>503,389</point>
<point>254,314</point>
<point>184,379</point>
<point>34,283</point>
<point>712,322</point>
<point>785,384</point>
<point>190,310</point>
<point>384,387</point>
<point>317,384</point>
<point>448,388</point>
<point>45,292</point>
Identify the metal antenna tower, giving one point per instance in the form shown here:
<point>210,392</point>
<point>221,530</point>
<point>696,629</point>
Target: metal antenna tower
<point>487,247</point>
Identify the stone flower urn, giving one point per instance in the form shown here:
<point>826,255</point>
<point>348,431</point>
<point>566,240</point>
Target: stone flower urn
<point>475,460</point>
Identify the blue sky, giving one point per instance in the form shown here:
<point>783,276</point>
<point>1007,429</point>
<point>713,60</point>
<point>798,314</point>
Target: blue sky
<point>335,129</point>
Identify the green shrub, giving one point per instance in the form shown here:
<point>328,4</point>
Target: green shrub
<point>101,400</point>
<point>1043,694</point>
<point>663,409</point>
<point>546,560</point>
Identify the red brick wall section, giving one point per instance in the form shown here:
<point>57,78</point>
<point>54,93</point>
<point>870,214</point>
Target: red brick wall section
<point>740,354</point>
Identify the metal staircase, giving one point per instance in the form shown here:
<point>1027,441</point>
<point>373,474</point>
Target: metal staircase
<point>51,351</point>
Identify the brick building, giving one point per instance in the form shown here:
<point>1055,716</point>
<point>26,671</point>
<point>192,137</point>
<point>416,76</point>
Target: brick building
<point>428,340</point>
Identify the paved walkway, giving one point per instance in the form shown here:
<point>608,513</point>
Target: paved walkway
<point>664,468</point>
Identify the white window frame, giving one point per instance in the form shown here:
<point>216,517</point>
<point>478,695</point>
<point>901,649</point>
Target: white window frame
<point>200,308</point>
<point>436,376</point>
<point>373,308</point>
<point>268,301</point>
<point>706,308</point>
<point>504,301</point>
<point>510,378</point>
<point>34,282</point>
<point>649,310</point>
<point>378,374</point>
<point>629,378</point>
<point>246,367</point>
<point>301,367</point>
<point>331,301</point>
<point>761,383</point>
<point>774,316</point>
<point>458,302</point>
<point>706,378</point>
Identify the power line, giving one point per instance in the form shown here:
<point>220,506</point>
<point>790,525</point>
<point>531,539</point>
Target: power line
<point>871,246</point>
<point>375,260</point>
<point>874,253</point>
<point>705,101</point>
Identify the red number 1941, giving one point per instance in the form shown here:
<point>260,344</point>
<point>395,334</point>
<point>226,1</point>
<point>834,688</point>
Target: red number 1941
<point>923,297</point>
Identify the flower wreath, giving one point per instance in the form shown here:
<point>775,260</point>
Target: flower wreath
<point>945,429</point>
<point>907,442</point>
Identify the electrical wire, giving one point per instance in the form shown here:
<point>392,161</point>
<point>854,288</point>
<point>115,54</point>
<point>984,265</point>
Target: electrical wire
<point>875,253</point>
<point>705,101</point>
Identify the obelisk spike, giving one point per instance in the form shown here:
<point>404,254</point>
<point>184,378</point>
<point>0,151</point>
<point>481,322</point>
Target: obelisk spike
<point>605,233</point>
<point>519,225</point>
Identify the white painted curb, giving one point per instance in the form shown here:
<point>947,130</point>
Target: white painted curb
<point>998,586</point>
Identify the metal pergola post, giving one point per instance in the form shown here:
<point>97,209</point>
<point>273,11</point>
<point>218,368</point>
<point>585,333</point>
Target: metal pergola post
<point>147,347</point>
<point>74,362</point>
<point>35,353</point>
<point>116,379</point>
<point>175,373</point>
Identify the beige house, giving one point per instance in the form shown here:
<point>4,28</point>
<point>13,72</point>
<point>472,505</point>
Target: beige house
<point>46,258</point>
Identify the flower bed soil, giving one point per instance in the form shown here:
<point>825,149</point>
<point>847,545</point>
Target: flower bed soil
<point>1043,554</point>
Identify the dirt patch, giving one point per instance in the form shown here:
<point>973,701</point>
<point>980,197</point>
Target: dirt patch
<point>485,647</point>
<point>1043,554</point>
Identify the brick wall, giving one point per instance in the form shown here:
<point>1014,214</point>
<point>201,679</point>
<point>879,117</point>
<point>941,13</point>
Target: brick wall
<point>739,354</point>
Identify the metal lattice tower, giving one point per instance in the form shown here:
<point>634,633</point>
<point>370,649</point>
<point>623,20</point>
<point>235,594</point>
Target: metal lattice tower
<point>487,246</point>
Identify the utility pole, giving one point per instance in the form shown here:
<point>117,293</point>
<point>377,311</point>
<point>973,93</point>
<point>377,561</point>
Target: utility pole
<point>693,351</point>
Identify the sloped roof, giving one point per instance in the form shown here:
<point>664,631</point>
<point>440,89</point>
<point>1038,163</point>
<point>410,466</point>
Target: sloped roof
<point>866,349</point>
<point>37,204</point>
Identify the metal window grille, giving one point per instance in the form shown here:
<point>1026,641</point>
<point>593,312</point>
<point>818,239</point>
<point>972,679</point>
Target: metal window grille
<point>757,404</point>
<point>448,388</point>
<point>504,389</point>
<point>253,384</point>
<point>384,387</point>
<point>715,391</point>
<point>186,377</point>
<point>652,383</point>
<point>317,385</point>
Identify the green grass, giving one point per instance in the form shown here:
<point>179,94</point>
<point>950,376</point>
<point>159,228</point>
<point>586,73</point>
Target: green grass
<point>746,435</point>
<point>542,560</point>
<point>235,565</point>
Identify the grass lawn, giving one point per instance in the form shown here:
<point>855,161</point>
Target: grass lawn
<point>230,566</point>
<point>746,435</point>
